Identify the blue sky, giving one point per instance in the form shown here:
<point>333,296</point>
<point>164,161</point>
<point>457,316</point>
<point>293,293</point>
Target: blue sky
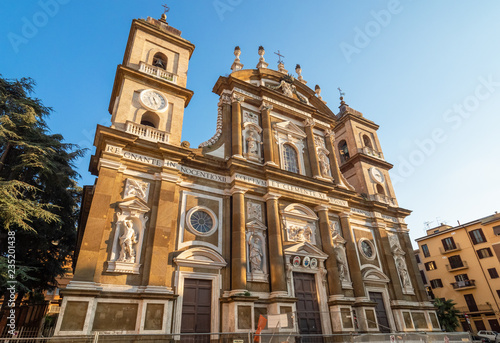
<point>427,72</point>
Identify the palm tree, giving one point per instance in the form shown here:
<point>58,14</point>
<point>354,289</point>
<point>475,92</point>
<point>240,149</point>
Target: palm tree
<point>447,314</point>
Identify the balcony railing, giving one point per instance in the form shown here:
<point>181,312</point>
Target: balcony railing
<point>445,251</point>
<point>371,152</point>
<point>383,198</point>
<point>157,72</point>
<point>146,132</point>
<point>465,284</point>
<point>457,266</point>
<point>477,308</point>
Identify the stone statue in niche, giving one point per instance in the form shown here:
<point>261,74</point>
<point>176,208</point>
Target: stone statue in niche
<point>341,264</point>
<point>403,273</point>
<point>253,143</point>
<point>127,240</point>
<point>256,255</point>
<point>325,165</point>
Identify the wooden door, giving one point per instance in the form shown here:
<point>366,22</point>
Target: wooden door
<point>383,320</point>
<point>308,313</point>
<point>196,309</point>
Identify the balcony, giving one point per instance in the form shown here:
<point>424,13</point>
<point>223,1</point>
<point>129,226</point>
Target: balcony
<point>383,198</point>
<point>445,251</point>
<point>476,308</point>
<point>453,268</point>
<point>157,72</point>
<point>370,152</point>
<point>146,132</point>
<point>465,284</point>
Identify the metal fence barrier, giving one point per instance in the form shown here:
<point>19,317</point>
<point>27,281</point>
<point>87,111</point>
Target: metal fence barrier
<point>228,337</point>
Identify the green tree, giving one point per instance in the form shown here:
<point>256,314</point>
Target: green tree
<point>447,314</point>
<point>39,196</point>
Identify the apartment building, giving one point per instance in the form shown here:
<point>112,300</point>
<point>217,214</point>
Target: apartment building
<point>462,263</point>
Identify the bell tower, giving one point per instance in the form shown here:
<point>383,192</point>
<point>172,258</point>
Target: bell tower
<point>360,155</point>
<point>149,93</point>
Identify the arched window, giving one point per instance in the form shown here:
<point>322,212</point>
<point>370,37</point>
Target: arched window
<point>367,142</point>
<point>380,189</point>
<point>290,159</point>
<point>344,152</point>
<point>160,61</point>
<point>150,119</point>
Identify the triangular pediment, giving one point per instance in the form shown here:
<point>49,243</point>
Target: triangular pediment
<point>290,128</point>
<point>305,249</point>
<point>398,251</point>
<point>256,224</point>
<point>135,204</point>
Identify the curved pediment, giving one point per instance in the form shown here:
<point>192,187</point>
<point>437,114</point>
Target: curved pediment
<point>200,257</point>
<point>374,275</point>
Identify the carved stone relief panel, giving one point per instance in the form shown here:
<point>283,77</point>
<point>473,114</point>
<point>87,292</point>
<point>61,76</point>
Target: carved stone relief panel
<point>136,188</point>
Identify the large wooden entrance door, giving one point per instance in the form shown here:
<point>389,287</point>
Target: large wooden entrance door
<point>308,314</point>
<point>196,309</point>
<point>383,321</point>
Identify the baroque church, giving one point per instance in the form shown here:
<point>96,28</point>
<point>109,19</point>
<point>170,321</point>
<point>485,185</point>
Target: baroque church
<point>287,212</point>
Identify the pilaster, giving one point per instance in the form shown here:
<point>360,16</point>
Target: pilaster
<point>238,246</point>
<point>313,156</point>
<point>236,138</point>
<point>354,268</point>
<point>334,282</point>
<point>276,259</point>
<point>265,110</point>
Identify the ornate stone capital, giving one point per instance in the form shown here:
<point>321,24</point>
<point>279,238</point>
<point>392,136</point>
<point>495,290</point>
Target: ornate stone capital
<point>321,208</point>
<point>238,190</point>
<point>225,98</point>
<point>235,97</point>
<point>271,196</point>
<point>344,214</point>
<point>309,122</point>
<point>265,106</point>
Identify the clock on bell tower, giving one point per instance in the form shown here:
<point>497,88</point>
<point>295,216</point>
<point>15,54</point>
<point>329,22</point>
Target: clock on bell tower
<point>149,93</point>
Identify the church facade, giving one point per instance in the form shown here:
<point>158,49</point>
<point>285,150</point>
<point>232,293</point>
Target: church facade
<point>286,212</point>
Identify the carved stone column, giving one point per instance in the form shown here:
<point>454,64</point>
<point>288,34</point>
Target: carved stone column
<point>313,157</point>
<point>238,246</point>
<point>334,282</point>
<point>236,140</point>
<point>334,166</point>
<point>276,260</point>
<point>225,102</point>
<point>265,110</point>
<point>352,257</point>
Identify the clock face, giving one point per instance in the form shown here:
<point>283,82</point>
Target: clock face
<point>376,175</point>
<point>153,100</point>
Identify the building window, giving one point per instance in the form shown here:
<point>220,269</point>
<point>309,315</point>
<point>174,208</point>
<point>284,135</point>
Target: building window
<point>201,221</point>
<point>471,303</point>
<point>367,142</point>
<point>417,257</point>
<point>498,292</point>
<point>424,279</point>
<point>493,273</point>
<point>291,162</point>
<point>436,283</point>
<point>430,265</point>
<point>449,244</point>
<point>380,189</point>
<point>479,325</point>
<point>477,236</point>
<point>425,250</point>
<point>483,253</point>
<point>461,277</point>
<point>496,230</point>
<point>455,261</point>
<point>160,61</point>
<point>344,151</point>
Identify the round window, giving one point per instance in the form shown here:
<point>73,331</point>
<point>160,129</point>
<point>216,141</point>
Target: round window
<point>201,221</point>
<point>367,248</point>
